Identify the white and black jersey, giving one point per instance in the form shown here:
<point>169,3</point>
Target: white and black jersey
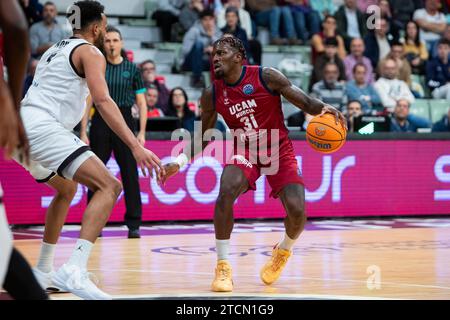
<point>52,107</point>
<point>57,86</point>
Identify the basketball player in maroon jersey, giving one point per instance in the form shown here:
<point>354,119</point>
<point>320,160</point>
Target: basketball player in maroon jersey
<point>249,100</point>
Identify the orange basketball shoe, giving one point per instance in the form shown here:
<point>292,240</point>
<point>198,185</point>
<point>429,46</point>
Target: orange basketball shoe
<point>223,281</point>
<point>272,269</point>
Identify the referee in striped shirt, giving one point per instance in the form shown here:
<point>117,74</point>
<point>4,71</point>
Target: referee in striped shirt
<point>126,87</point>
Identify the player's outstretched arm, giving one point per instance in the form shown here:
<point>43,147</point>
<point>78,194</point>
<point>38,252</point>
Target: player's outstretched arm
<point>209,118</point>
<point>17,51</point>
<point>9,121</point>
<point>94,65</point>
<point>17,48</point>
<point>277,82</point>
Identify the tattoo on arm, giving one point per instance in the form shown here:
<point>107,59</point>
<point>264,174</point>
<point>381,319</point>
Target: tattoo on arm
<point>278,83</point>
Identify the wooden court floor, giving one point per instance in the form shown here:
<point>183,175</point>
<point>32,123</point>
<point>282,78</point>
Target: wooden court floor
<point>408,263</point>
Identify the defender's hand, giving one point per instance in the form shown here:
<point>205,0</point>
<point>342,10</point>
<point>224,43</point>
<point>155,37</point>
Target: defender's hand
<point>337,114</point>
<point>147,159</point>
<point>171,170</point>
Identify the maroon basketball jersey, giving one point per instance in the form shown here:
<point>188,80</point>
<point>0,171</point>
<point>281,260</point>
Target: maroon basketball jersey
<point>249,104</point>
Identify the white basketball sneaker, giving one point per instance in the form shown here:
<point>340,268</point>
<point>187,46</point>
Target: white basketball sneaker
<point>75,280</point>
<point>45,279</point>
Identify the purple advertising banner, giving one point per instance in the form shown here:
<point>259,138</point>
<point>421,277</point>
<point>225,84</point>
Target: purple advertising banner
<point>364,178</point>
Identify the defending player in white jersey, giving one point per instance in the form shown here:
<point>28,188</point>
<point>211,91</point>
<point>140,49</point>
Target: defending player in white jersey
<point>54,104</point>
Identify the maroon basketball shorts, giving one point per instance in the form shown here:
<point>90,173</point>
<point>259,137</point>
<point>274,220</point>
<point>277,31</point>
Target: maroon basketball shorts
<point>279,166</point>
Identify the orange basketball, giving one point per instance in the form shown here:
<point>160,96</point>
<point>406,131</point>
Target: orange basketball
<point>324,135</point>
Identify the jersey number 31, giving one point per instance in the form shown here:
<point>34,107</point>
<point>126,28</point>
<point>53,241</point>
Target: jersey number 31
<point>250,122</point>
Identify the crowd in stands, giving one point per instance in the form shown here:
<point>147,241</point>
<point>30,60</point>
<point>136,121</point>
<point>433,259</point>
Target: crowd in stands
<point>361,64</point>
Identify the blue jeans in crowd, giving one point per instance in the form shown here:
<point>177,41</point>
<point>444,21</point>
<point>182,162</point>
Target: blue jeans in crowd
<point>195,61</point>
<point>306,24</point>
<point>271,19</point>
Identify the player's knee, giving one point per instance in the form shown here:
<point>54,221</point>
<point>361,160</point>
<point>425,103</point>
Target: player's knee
<point>69,191</point>
<point>116,187</point>
<point>230,190</point>
<point>109,185</point>
<point>296,210</point>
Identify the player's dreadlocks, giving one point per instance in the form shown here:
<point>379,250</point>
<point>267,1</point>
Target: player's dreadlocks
<point>234,43</point>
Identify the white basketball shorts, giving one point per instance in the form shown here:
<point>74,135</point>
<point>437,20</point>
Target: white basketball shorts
<point>53,148</point>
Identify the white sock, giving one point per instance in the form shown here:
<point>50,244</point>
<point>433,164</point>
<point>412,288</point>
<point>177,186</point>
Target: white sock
<point>81,253</point>
<point>286,243</point>
<point>222,249</point>
<point>46,257</point>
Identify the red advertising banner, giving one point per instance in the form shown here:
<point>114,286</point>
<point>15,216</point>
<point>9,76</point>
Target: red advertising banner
<point>364,178</point>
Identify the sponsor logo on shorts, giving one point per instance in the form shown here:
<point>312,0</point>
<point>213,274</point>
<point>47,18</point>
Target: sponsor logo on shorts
<point>248,89</point>
<point>241,159</point>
